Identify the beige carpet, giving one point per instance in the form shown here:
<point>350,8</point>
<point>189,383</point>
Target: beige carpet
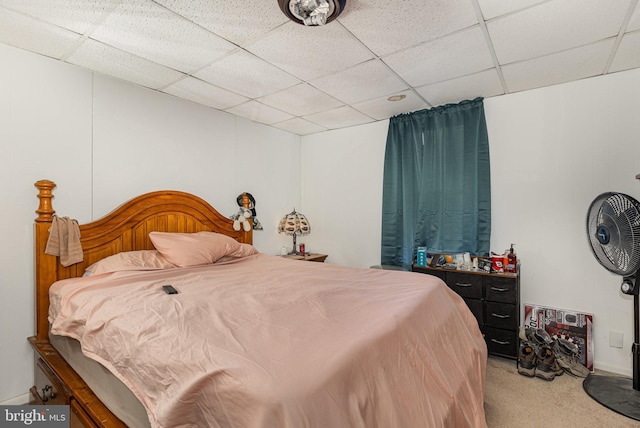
<point>516,401</point>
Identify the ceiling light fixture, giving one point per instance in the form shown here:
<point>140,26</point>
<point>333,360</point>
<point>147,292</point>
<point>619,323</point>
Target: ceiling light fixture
<point>312,12</point>
<point>397,97</point>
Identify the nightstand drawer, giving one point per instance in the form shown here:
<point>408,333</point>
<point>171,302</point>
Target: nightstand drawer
<point>48,389</point>
<point>465,285</point>
<point>502,315</point>
<point>501,290</point>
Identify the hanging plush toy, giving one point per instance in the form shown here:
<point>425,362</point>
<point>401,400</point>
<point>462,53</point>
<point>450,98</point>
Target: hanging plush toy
<point>252,207</point>
<point>242,219</point>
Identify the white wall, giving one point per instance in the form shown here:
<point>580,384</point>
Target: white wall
<point>103,141</point>
<point>44,133</point>
<point>553,150</point>
<point>342,193</point>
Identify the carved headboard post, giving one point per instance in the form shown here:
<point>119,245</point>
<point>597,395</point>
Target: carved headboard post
<point>45,211</point>
<point>45,265</point>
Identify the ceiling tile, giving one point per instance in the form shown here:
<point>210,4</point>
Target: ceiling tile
<point>301,100</point>
<point>628,54</point>
<point>28,33</point>
<point>484,84</point>
<point>555,26</point>
<point>152,32</point>
<point>492,8</point>
<point>247,74</point>
<point>259,112</point>
<point>246,58</point>
<point>389,26</point>
<point>299,126</point>
<point>123,65</point>
<point>204,93</point>
<point>354,84</point>
<point>310,52</point>
<point>381,108</point>
<point>574,64</point>
<point>240,22</point>
<point>79,16</point>
<point>456,55</point>
<point>340,117</point>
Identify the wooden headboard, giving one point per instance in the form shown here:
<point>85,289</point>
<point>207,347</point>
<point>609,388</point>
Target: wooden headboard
<point>124,229</point>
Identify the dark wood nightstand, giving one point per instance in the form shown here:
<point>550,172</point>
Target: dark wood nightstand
<point>313,257</point>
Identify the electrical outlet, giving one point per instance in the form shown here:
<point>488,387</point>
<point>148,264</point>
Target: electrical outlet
<point>616,339</point>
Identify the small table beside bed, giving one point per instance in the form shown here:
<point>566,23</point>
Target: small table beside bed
<point>249,340</point>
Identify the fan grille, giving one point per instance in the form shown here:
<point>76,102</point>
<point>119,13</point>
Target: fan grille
<point>613,227</point>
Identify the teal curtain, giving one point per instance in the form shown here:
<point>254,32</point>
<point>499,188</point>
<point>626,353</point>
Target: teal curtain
<point>436,186</point>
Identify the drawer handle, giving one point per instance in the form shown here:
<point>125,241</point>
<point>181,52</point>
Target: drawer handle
<point>501,290</point>
<point>51,395</point>
<point>500,342</point>
<point>463,284</point>
<point>493,314</point>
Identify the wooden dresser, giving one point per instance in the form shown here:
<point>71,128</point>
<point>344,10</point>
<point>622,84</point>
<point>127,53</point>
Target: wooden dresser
<point>494,299</point>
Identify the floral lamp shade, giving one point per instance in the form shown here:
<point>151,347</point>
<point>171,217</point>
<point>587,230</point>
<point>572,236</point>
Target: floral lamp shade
<point>294,224</point>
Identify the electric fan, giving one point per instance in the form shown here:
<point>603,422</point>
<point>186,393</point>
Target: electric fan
<point>613,227</point>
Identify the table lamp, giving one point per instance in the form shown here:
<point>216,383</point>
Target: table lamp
<point>294,224</point>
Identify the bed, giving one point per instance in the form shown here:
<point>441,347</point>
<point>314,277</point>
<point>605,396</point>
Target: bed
<point>250,339</point>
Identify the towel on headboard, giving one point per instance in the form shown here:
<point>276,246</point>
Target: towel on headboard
<point>64,241</point>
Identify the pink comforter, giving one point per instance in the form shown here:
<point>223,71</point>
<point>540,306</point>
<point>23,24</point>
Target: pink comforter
<point>269,342</point>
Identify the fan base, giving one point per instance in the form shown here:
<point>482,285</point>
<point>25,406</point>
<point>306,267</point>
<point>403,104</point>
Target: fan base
<point>615,393</point>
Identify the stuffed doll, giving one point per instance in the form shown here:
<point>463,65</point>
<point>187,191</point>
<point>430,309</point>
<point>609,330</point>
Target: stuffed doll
<point>242,219</point>
<point>252,207</point>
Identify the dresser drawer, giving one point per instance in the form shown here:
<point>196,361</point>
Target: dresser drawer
<point>501,342</point>
<point>477,309</point>
<point>501,315</point>
<point>48,389</point>
<point>503,290</point>
<point>465,285</point>
<point>439,274</point>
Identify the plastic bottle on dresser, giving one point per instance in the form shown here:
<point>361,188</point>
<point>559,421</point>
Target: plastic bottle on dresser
<point>505,260</point>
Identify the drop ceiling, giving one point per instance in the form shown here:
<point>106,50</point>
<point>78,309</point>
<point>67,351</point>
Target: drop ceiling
<point>246,58</point>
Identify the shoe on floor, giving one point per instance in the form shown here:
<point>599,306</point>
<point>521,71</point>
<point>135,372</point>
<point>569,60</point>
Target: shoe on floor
<point>567,355</point>
<point>535,336</point>
<point>547,367</point>
<point>527,360</point>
